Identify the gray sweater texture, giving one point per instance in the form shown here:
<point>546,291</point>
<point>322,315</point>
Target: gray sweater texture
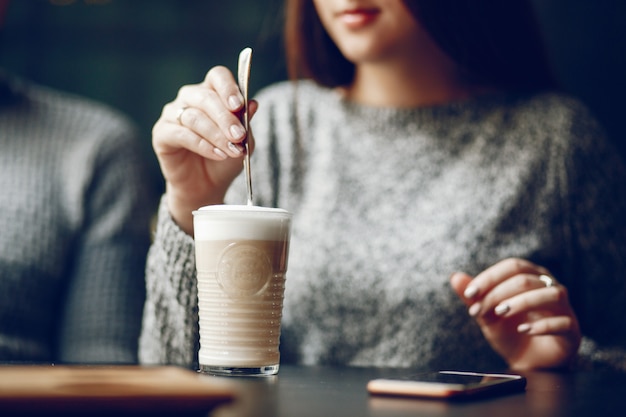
<point>388,203</point>
<point>74,229</point>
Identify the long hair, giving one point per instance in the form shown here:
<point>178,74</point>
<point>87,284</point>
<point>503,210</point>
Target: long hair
<point>495,43</point>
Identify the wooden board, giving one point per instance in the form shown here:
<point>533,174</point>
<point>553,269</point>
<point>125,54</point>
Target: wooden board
<point>108,390</point>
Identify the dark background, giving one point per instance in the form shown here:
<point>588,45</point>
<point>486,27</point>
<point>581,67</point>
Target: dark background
<point>135,54</point>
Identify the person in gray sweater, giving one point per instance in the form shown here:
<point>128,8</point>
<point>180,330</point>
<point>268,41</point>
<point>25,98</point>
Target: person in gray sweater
<point>451,208</point>
<point>76,206</point>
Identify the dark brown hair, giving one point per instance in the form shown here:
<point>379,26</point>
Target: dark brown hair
<point>495,43</point>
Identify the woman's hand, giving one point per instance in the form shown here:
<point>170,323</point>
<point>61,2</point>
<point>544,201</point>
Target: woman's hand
<point>198,142</point>
<point>523,313</point>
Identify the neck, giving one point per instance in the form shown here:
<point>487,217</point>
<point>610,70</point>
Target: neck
<point>426,76</point>
<point>407,84</point>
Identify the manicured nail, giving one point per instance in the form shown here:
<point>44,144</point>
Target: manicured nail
<point>474,309</point>
<point>235,102</point>
<point>234,148</point>
<point>237,132</point>
<point>524,328</point>
<point>220,153</point>
<point>470,292</point>
<point>502,309</point>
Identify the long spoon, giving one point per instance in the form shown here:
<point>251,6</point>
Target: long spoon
<point>243,73</point>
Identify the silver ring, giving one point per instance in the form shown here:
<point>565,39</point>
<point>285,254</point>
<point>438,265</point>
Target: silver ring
<point>180,115</point>
<point>548,280</point>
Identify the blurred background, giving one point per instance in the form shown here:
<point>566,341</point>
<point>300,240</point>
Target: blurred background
<point>135,54</point>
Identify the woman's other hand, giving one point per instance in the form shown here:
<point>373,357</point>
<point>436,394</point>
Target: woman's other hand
<point>523,312</point>
<point>198,142</point>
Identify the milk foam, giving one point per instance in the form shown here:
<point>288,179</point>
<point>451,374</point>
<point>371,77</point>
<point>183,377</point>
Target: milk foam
<point>221,222</point>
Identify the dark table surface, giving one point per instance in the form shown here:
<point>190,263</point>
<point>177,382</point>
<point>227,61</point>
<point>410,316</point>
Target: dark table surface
<point>329,391</point>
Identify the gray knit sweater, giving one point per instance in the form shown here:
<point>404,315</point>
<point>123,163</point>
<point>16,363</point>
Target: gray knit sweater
<point>388,203</point>
<point>74,221</point>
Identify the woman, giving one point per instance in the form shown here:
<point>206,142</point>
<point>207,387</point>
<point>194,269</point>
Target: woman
<point>425,141</point>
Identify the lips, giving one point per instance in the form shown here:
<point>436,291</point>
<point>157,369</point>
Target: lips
<point>358,18</point>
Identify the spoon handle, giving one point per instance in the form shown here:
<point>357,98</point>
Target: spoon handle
<point>243,75</point>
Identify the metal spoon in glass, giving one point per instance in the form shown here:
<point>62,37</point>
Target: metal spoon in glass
<point>243,75</point>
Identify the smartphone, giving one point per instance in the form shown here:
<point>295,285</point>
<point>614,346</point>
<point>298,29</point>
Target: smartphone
<point>448,385</point>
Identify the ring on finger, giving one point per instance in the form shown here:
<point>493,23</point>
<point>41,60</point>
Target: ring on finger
<point>180,115</point>
<point>548,280</point>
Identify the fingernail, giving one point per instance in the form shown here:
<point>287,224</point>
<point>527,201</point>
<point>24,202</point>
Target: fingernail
<point>470,292</point>
<point>237,131</point>
<point>234,148</point>
<point>502,309</point>
<point>523,328</point>
<point>474,309</point>
<point>220,153</point>
<point>234,102</point>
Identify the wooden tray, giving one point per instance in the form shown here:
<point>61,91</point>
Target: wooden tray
<point>108,390</point>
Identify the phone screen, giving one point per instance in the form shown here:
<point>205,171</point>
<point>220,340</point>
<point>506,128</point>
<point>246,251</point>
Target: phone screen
<point>459,378</point>
<point>447,384</point>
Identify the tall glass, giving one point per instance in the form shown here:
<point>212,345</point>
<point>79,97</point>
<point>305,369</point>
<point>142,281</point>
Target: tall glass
<point>241,260</point>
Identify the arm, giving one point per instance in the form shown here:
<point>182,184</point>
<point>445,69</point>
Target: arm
<point>101,315</point>
<point>197,141</point>
<point>170,325</point>
<point>597,188</point>
<point>532,326</point>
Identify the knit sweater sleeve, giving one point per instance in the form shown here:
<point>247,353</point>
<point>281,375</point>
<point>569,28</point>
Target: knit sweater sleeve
<point>596,230</point>
<point>101,315</point>
<point>170,323</point>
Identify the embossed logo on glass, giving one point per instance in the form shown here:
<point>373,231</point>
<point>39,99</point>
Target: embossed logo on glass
<point>243,270</point>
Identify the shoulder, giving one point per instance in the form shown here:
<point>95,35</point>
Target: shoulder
<point>290,105</point>
<point>553,109</point>
<point>572,134</point>
<point>551,121</point>
<point>304,88</point>
<point>92,113</point>
<point>72,116</point>
<point>286,94</point>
